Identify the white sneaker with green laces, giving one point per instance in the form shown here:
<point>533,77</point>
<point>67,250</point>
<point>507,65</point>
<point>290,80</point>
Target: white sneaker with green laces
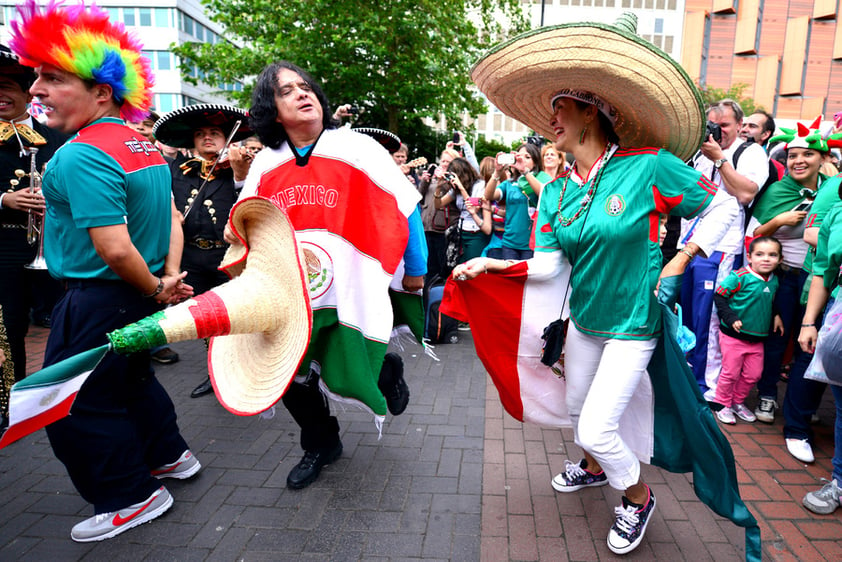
<point>106,525</point>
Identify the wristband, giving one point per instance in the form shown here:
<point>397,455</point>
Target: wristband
<point>687,253</point>
<point>808,325</point>
<point>158,290</point>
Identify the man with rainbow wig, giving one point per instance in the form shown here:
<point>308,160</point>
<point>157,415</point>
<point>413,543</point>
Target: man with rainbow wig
<point>108,238</point>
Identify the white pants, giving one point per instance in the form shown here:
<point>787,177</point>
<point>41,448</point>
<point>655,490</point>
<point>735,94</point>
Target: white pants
<point>602,375</point>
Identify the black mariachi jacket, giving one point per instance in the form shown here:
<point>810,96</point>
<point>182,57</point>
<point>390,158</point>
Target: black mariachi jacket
<point>14,249</point>
<point>210,213</point>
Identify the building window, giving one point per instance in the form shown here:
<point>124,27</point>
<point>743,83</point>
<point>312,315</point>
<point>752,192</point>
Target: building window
<point>164,103</point>
<point>164,60</point>
<point>145,17</point>
<point>659,25</point>
<point>129,16</point>
<point>188,25</point>
<point>162,17</point>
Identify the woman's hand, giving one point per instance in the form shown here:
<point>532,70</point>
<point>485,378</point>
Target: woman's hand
<point>807,338</point>
<point>791,218</point>
<point>737,325</point>
<point>472,268</point>
<point>470,207</point>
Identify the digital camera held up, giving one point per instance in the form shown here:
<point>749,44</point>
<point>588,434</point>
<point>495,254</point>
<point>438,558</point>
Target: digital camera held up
<point>714,130</point>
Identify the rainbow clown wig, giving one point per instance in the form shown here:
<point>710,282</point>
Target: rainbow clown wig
<point>81,40</point>
<point>809,137</point>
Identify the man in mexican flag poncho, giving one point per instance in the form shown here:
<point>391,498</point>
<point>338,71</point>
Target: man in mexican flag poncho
<point>356,221</point>
<point>789,210</point>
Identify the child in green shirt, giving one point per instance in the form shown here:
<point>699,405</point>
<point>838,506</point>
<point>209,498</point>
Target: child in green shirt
<point>744,303</point>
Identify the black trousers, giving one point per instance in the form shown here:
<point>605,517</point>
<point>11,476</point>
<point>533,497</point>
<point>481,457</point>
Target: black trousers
<point>123,423</point>
<point>310,410</point>
<point>22,289</point>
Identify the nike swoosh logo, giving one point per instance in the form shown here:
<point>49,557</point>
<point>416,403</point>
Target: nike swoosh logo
<point>170,469</point>
<point>118,520</point>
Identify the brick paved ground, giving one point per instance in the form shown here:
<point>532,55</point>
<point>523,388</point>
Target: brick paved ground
<point>454,478</point>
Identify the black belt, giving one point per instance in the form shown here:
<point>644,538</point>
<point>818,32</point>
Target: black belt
<point>86,283</point>
<point>205,244</point>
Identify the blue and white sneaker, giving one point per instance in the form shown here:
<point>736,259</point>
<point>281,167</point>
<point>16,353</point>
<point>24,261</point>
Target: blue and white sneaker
<point>577,476</point>
<point>630,524</point>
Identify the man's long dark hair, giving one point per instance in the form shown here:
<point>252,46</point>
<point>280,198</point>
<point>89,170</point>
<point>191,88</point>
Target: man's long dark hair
<point>263,113</point>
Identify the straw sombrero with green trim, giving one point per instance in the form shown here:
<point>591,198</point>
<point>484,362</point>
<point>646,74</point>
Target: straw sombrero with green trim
<point>259,322</point>
<point>656,102</point>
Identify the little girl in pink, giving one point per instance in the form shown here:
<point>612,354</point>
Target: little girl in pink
<point>744,303</point>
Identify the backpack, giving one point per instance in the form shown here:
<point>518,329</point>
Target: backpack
<point>439,327</point>
<point>773,177</point>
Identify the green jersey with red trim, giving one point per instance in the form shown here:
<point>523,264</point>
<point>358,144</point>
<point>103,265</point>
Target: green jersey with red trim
<point>613,245</point>
<point>750,296</point>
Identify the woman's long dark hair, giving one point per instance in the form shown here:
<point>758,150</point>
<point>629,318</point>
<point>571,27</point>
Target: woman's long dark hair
<point>466,173</point>
<point>263,113</point>
<point>535,154</point>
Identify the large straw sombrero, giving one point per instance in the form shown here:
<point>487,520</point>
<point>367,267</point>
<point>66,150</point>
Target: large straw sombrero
<point>389,141</point>
<point>176,127</point>
<point>656,102</point>
<point>259,322</point>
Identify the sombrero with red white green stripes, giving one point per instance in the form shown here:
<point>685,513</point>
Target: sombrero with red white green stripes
<point>259,322</point>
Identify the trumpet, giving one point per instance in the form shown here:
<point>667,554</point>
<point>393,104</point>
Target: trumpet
<point>35,222</point>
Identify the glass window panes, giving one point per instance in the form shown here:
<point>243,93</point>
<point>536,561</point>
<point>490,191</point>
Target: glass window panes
<point>162,17</point>
<point>164,61</point>
<point>659,25</point>
<point>145,17</point>
<point>188,25</point>
<point>129,16</point>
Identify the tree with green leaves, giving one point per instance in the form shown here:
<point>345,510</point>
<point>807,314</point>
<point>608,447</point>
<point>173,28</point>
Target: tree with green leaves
<point>711,95</point>
<point>399,60</point>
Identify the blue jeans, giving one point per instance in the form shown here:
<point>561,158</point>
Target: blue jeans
<point>788,305</point>
<point>837,434</point>
<point>802,396</point>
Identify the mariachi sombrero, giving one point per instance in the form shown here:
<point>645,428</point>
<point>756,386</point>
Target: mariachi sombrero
<point>389,141</point>
<point>259,322</point>
<point>656,102</point>
<point>176,127</point>
<point>11,67</point>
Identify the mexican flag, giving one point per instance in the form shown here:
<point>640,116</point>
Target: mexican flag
<point>46,396</point>
<point>348,204</point>
<point>667,424</point>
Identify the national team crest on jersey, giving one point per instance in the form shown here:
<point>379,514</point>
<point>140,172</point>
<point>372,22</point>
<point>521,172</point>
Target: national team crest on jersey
<point>319,269</point>
<point>615,205</point>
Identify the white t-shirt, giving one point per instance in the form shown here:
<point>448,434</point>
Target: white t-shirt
<point>753,164</point>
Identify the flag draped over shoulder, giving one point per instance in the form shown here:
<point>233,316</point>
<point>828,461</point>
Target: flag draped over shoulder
<point>46,396</point>
<point>668,423</point>
<point>348,204</point>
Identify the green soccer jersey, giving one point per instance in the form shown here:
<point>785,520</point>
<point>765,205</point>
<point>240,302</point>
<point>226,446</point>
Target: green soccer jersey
<point>829,249</point>
<point>827,197</point>
<point>750,296</point>
<point>617,261</point>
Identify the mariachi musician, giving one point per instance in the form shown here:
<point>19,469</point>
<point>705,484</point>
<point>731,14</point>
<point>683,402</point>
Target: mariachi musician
<point>205,187</point>
<point>20,288</point>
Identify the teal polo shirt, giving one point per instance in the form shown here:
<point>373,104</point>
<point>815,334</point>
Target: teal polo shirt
<point>105,175</point>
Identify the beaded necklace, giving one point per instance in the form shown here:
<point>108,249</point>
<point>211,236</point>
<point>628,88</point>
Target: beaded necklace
<point>588,198</point>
